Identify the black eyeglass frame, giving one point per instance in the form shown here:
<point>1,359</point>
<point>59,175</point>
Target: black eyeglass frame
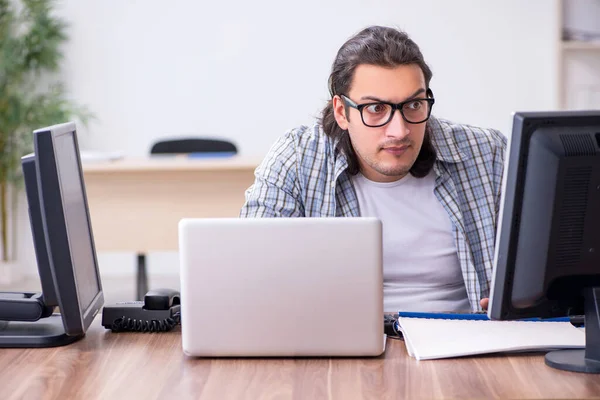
<point>395,106</point>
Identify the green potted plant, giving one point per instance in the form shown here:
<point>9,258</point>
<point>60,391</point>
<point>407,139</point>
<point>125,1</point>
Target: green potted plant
<point>31,97</point>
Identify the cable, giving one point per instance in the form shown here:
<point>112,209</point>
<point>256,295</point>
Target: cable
<point>390,322</point>
<point>125,324</point>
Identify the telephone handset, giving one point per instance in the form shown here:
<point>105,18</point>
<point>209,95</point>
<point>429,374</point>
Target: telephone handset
<point>159,312</point>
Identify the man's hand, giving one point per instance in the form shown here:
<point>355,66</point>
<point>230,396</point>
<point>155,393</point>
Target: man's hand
<point>484,303</point>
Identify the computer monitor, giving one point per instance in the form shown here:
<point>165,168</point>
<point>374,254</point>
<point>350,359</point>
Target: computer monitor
<point>547,254</point>
<point>67,226</point>
<point>28,165</point>
<point>64,249</point>
<point>26,318</point>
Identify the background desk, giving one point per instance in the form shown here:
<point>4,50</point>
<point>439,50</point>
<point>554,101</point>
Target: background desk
<point>106,365</point>
<point>135,205</point>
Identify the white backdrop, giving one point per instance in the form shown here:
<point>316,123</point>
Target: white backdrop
<point>249,71</point>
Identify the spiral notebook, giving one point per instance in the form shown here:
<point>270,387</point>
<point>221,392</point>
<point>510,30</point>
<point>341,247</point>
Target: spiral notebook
<point>434,338</point>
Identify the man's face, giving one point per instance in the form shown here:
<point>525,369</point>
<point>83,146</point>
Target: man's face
<point>386,153</point>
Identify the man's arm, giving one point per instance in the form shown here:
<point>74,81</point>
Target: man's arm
<point>498,170</point>
<point>275,191</point>
<point>499,162</point>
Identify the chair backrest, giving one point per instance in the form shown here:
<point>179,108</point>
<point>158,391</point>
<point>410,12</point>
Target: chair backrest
<point>192,145</point>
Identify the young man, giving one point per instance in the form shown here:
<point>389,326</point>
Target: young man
<point>378,151</point>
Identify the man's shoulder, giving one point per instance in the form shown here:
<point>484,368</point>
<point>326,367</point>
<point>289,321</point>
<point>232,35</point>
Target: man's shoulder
<point>459,142</point>
<point>309,136</point>
<point>471,133</point>
<point>305,142</point>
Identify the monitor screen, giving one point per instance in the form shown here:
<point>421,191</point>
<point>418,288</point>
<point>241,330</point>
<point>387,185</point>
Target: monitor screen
<point>76,218</point>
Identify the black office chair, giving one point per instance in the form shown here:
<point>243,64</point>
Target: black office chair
<point>179,146</point>
<point>193,145</point>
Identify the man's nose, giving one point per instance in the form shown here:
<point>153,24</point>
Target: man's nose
<point>397,127</point>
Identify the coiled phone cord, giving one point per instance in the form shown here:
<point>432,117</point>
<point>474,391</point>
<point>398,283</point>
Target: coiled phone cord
<point>125,324</point>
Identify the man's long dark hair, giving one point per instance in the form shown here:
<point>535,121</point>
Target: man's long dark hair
<point>384,47</point>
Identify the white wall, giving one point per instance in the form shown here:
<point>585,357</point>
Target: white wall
<point>582,79</point>
<point>250,70</point>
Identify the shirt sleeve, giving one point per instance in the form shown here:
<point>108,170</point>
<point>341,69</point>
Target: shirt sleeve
<point>499,162</point>
<point>275,191</point>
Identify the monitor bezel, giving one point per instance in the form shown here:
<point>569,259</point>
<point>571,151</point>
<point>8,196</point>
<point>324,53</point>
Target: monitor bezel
<point>28,164</point>
<point>524,125</point>
<point>76,320</point>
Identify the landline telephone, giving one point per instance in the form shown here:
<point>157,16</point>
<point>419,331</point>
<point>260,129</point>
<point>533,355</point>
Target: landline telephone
<point>159,312</point>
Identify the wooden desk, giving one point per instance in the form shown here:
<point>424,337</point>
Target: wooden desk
<point>105,365</point>
<point>136,204</point>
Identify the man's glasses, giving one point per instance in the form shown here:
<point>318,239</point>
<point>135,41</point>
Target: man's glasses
<point>374,115</point>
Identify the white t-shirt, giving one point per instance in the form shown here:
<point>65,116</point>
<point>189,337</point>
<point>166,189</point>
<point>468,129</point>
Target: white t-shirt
<point>420,264</point>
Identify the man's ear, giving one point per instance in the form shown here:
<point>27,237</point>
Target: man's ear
<point>339,112</point>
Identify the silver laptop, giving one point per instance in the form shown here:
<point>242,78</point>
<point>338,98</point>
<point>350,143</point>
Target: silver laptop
<point>281,287</point>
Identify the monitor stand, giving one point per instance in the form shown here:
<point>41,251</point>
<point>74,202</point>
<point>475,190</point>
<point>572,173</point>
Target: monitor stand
<point>583,360</point>
<point>46,332</point>
<point>27,321</point>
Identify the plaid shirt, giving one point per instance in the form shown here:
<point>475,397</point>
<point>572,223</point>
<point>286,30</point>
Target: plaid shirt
<point>304,175</point>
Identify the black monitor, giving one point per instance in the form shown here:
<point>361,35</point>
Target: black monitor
<point>547,261</point>
<point>64,247</point>
<point>68,228</point>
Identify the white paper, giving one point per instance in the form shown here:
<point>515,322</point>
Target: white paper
<point>443,338</point>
